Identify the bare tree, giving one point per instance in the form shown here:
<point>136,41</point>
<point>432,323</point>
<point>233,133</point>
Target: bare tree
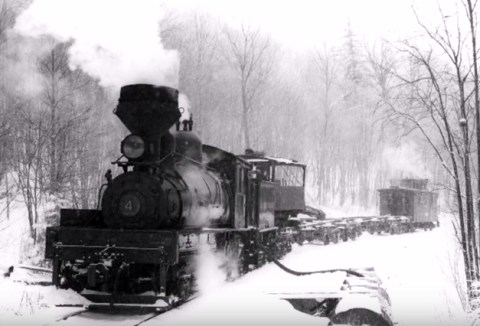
<point>326,69</point>
<point>248,53</point>
<point>436,103</point>
<point>470,8</point>
<point>26,159</point>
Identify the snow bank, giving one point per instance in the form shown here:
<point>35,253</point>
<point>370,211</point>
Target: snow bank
<point>22,304</point>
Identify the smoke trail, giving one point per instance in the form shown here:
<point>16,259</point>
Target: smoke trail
<point>116,41</point>
<point>406,161</point>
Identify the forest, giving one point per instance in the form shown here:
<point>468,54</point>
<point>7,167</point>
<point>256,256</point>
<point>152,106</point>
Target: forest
<point>358,113</point>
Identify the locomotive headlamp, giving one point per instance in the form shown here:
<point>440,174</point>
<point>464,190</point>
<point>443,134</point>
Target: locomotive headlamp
<point>133,147</point>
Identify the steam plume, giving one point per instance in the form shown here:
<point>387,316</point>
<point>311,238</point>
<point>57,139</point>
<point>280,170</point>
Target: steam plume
<point>406,161</point>
<point>116,41</point>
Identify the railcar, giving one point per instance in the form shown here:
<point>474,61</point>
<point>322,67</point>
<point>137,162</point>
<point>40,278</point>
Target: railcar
<point>409,198</point>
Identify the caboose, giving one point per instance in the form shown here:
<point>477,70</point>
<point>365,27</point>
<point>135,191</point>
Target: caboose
<point>410,198</point>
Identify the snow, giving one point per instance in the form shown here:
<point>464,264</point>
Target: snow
<point>12,231</point>
<point>22,304</point>
<point>282,160</point>
<point>417,269</point>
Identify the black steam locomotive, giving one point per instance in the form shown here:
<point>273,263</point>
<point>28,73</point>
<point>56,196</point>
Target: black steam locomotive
<point>174,195</point>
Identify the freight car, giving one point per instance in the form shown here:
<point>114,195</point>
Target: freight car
<point>173,195</point>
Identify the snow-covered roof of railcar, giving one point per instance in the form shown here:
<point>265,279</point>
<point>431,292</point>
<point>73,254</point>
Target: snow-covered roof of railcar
<point>281,160</point>
<point>278,161</point>
<point>256,160</point>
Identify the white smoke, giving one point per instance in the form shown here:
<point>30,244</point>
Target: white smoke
<point>209,273</point>
<point>406,161</point>
<point>19,65</point>
<point>116,41</point>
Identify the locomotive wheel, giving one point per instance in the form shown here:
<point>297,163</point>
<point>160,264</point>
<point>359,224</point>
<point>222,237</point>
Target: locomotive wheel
<point>359,317</point>
<point>184,287</point>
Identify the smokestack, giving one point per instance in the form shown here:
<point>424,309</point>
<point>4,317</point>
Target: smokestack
<point>148,110</point>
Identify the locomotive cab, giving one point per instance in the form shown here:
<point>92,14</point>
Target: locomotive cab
<point>288,177</point>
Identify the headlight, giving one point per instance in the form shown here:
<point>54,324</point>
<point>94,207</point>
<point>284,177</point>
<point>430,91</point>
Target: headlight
<point>133,147</point>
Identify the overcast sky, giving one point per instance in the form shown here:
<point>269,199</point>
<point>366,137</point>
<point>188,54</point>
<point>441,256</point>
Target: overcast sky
<point>114,40</point>
<point>304,23</point>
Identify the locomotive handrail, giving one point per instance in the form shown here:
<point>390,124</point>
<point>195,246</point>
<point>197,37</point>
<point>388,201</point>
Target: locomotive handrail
<point>61,245</point>
<point>157,163</point>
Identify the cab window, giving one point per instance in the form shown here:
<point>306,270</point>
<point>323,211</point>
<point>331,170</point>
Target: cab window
<point>289,175</point>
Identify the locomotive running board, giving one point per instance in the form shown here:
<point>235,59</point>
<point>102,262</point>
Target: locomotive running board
<point>110,299</point>
<point>127,308</point>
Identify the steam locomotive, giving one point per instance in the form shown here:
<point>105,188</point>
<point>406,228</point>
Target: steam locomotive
<point>173,195</point>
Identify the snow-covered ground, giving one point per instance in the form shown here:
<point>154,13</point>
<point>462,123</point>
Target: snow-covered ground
<point>416,269</point>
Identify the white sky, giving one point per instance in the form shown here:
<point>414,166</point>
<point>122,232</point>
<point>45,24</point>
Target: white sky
<point>117,40</point>
<point>304,23</point>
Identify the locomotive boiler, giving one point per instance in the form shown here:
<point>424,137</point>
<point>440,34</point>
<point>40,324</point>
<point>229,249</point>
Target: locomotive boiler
<point>164,184</point>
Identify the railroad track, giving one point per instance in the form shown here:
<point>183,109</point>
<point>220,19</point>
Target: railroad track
<point>105,314</point>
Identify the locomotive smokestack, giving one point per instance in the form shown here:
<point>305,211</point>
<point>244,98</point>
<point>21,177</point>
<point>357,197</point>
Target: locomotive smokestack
<point>148,110</point>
